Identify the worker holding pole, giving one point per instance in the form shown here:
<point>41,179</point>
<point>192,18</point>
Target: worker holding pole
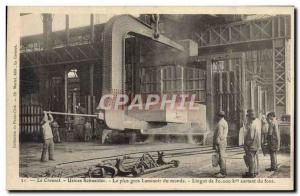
<point>220,143</point>
<point>48,145</point>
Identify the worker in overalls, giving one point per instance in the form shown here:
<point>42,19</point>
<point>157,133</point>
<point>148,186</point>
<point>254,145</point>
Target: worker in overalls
<point>273,140</point>
<point>220,143</point>
<point>251,144</point>
<point>48,145</point>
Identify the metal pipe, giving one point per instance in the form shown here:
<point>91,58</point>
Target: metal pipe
<point>71,114</point>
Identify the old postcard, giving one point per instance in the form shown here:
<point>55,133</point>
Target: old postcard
<point>150,98</point>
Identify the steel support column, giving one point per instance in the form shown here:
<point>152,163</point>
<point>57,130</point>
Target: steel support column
<point>67,30</point>
<point>279,76</point>
<point>66,88</point>
<point>47,31</point>
<point>210,96</point>
<point>92,26</point>
<point>243,105</point>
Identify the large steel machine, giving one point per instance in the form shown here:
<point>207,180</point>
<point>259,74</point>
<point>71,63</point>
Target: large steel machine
<point>156,121</point>
<point>79,74</point>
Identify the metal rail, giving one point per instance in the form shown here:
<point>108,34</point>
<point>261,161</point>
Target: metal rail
<point>71,114</point>
<point>172,153</point>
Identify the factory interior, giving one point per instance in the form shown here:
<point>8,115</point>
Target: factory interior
<point>231,63</point>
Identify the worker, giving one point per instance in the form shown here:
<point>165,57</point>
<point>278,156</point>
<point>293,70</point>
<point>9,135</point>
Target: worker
<point>252,144</point>
<point>264,133</point>
<point>55,127</point>
<point>87,131</point>
<point>220,143</point>
<point>264,128</point>
<point>258,125</point>
<point>273,140</point>
<point>241,134</point>
<point>48,145</point>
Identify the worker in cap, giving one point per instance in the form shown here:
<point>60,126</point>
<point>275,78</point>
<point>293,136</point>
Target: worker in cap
<point>273,139</point>
<point>220,142</point>
<point>252,144</point>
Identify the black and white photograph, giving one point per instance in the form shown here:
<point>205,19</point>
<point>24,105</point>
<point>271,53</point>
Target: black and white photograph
<point>176,100</point>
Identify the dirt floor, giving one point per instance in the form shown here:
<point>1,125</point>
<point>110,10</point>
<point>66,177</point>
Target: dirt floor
<point>195,160</point>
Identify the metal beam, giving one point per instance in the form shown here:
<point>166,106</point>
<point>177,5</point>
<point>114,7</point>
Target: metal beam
<point>27,58</point>
<point>24,14</point>
<point>165,40</point>
<point>71,114</point>
<point>94,50</point>
<point>58,55</point>
<point>259,30</point>
<point>82,52</point>
<point>69,54</point>
<point>62,63</point>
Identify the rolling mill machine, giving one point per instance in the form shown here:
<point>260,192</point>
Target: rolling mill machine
<point>82,80</point>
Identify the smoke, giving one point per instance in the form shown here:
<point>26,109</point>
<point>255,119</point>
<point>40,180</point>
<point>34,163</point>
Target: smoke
<point>169,139</point>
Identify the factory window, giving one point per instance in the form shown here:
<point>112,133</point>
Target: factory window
<point>73,90</point>
<point>218,65</point>
<point>72,73</point>
<point>150,81</point>
<point>195,82</point>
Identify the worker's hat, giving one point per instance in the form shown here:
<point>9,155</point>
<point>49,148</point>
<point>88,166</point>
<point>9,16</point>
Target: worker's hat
<point>272,114</point>
<point>250,113</point>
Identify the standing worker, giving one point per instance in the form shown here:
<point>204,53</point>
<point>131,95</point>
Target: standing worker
<point>251,144</point>
<point>220,143</point>
<point>264,134</point>
<point>273,140</point>
<point>48,146</point>
<point>55,127</point>
<point>87,131</point>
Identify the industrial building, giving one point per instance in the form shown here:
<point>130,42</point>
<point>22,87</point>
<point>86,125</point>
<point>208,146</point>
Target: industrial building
<point>230,62</point>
